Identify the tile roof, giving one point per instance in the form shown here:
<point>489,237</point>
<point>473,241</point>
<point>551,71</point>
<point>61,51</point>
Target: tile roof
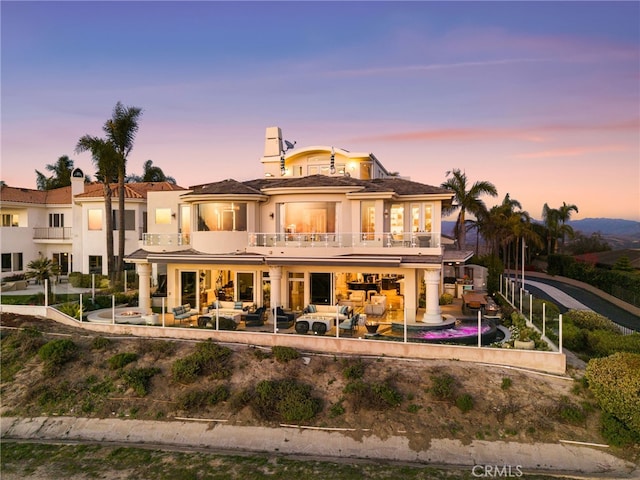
<point>131,190</point>
<point>56,196</point>
<point>255,187</point>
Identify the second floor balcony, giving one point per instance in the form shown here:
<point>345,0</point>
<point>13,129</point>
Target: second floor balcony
<point>52,233</point>
<point>346,240</point>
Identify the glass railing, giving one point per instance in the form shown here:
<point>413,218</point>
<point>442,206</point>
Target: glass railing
<point>165,239</point>
<point>345,240</point>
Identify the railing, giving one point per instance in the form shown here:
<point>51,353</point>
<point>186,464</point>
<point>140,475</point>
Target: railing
<point>165,239</point>
<point>345,240</point>
<point>52,233</point>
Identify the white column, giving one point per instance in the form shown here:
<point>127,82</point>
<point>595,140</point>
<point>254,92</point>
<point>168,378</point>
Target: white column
<point>144,287</point>
<point>275,276</point>
<point>432,313</point>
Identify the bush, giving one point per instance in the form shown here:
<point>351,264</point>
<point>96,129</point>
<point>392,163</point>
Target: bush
<point>506,383</point>
<point>446,299</point>
<point>616,432</point>
<point>442,386</point>
<point>208,359</point>
<point>464,402</point>
<point>195,399</point>
<point>354,370</point>
<point>284,354</point>
<point>100,343</point>
<point>56,353</point>
<point>17,348</point>
<point>139,379</point>
<point>615,382</point>
<point>121,359</point>
<point>374,396</point>
<point>284,400</point>
<point>588,320</point>
<point>71,309</point>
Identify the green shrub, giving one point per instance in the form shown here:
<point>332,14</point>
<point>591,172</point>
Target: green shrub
<point>208,359</point>
<point>574,338</point>
<point>442,386</point>
<point>139,379</point>
<point>241,399</point>
<point>602,343</point>
<point>100,343</point>
<point>570,412</point>
<point>354,370</point>
<point>156,348</point>
<point>56,353</point>
<point>589,320</point>
<point>284,354</point>
<point>506,383</point>
<point>373,396</point>
<point>71,309</point>
<point>615,383</point>
<point>284,400</point>
<point>464,402</point>
<point>337,409</point>
<point>616,432</point>
<point>119,360</point>
<point>16,349</point>
<point>413,408</point>
<point>446,299</point>
<point>195,399</point>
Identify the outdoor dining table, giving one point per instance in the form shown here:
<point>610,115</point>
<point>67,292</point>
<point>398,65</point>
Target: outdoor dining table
<point>474,300</point>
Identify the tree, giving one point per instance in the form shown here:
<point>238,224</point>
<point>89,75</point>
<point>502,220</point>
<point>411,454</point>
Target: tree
<point>466,201</point>
<point>150,173</point>
<point>42,269</point>
<point>61,174</point>
<point>121,131</point>
<point>106,160</point>
<point>551,219</point>
<point>564,215</point>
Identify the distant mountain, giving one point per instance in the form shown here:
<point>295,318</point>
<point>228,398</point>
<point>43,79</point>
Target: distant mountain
<point>606,226</point>
<point>617,232</point>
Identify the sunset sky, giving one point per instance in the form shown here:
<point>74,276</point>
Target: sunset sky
<point>540,98</point>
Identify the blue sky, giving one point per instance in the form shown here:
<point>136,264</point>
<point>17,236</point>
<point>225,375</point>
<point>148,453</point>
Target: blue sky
<point>540,98</point>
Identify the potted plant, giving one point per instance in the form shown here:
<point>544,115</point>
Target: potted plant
<point>524,340</point>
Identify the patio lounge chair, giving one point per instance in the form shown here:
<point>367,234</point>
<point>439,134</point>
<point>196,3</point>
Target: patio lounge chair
<point>255,319</point>
<point>351,325</point>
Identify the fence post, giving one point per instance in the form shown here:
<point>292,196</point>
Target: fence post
<point>479,329</point>
<point>80,308</point>
<point>560,333</point>
<point>46,292</point>
<point>544,317</point>
<point>163,299</point>
<point>113,309</point>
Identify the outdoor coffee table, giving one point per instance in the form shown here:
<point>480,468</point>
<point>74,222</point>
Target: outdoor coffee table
<point>318,325</point>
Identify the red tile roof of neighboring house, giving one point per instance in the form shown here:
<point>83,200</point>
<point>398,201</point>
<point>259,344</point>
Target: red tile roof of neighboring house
<point>131,190</point>
<point>56,196</point>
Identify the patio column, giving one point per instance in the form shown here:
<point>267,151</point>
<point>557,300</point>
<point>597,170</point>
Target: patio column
<point>144,287</point>
<point>432,313</point>
<point>275,276</point>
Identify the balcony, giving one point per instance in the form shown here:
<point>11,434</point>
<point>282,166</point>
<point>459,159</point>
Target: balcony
<point>418,240</point>
<point>52,233</point>
<point>158,242</point>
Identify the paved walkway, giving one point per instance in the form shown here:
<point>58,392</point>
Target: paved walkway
<point>558,295</point>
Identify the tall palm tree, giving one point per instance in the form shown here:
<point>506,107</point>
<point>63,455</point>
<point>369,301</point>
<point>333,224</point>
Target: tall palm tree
<point>552,224</point>
<point>61,174</point>
<point>466,201</point>
<point>121,131</point>
<point>564,215</point>
<point>106,160</point>
<point>150,173</point>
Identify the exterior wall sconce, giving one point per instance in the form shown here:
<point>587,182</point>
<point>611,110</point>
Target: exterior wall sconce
<point>173,214</point>
<point>271,215</point>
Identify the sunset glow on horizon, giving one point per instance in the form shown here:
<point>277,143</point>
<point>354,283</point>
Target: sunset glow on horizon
<point>540,98</point>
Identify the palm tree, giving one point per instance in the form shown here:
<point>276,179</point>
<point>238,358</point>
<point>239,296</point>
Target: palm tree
<point>105,159</point>
<point>61,174</point>
<point>466,201</point>
<point>552,224</point>
<point>150,173</point>
<point>42,269</point>
<point>564,215</point>
<point>121,131</point>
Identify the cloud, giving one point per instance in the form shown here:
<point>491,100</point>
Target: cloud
<point>572,151</point>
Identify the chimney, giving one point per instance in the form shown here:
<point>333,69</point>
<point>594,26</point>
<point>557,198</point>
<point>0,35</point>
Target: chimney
<point>273,143</point>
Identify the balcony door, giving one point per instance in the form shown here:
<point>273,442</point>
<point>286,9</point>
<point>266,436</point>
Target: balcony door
<point>188,288</point>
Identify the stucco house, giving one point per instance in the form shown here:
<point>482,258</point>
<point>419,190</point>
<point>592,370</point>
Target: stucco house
<point>324,226</point>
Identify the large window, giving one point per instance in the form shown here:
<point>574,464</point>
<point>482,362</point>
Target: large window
<point>421,214</point>
<point>321,289</point>
<point>56,220</point>
<point>185,219</point>
<point>95,219</point>
<point>6,262</point>
<point>396,221</point>
<point>222,217</point>
<point>129,219</point>
<point>95,264</point>
<point>163,216</point>
<point>368,217</point>
<point>10,220</point>
<point>309,217</point>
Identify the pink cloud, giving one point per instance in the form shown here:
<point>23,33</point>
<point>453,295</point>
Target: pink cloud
<point>573,151</point>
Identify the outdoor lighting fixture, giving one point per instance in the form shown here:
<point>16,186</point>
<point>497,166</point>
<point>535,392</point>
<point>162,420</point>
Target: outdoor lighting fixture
<point>282,169</point>
<point>333,162</point>
<point>271,215</point>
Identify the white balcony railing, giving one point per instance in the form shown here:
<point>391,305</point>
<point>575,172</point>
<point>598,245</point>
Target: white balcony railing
<point>345,240</point>
<point>165,239</point>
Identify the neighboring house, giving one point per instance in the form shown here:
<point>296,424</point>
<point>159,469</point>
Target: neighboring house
<point>324,226</point>
<point>67,224</point>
